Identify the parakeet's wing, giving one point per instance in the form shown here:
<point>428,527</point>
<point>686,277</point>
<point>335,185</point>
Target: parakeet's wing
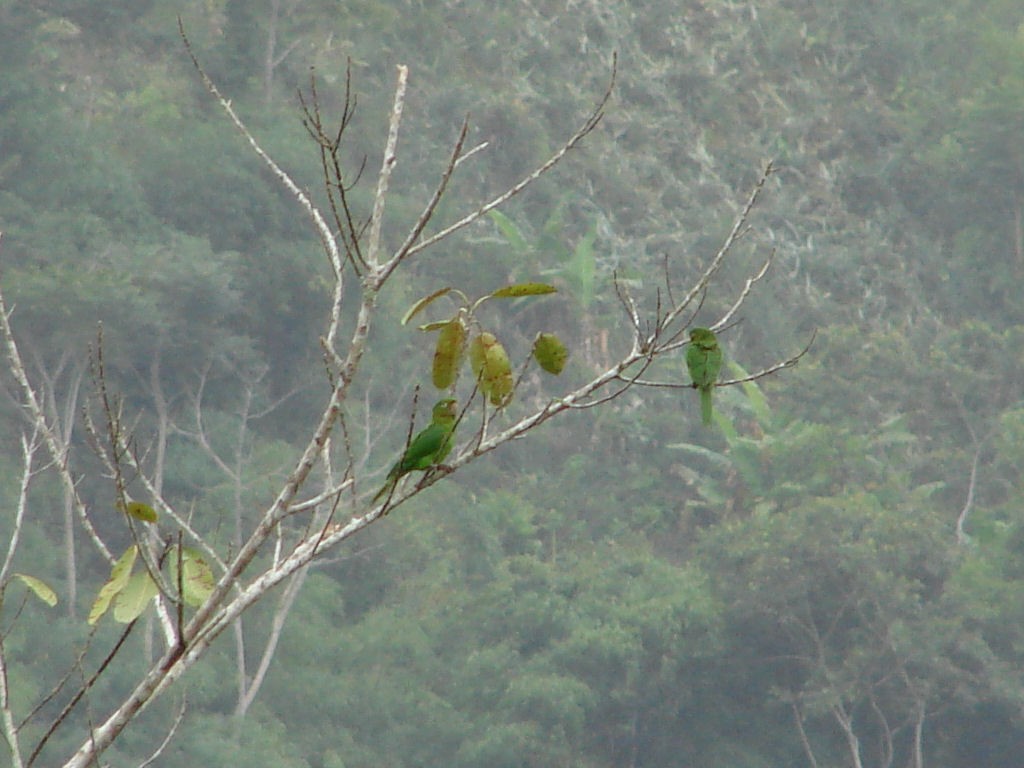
<point>423,450</point>
<point>703,357</point>
<point>696,364</point>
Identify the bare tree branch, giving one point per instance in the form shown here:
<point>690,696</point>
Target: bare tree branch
<point>58,451</point>
<point>386,168</point>
<point>270,547</point>
<point>171,732</point>
<point>588,125</point>
<point>798,720</point>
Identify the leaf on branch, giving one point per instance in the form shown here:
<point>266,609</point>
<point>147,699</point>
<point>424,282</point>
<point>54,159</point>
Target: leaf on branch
<point>416,308</point>
<point>197,580</point>
<point>119,576</point>
<point>140,511</point>
<point>491,366</point>
<point>434,326</point>
<point>39,588</point>
<point>523,289</point>
<point>133,599</point>
<point>550,353</point>
<point>448,354</point>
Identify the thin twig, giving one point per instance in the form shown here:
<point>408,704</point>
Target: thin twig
<point>751,281</point>
<point>428,211</point>
<point>28,451</point>
<point>80,693</point>
<point>303,199</point>
<point>58,451</point>
<point>738,229</point>
<point>331,493</point>
<point>469,153</point>
<point>588,125</point>
<point>170,735</point>
<point>788,363</point>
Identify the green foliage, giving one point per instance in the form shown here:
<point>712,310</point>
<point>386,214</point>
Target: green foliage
<point>140,511</point>
<point>488,358</point>
<point>451,347</point>
<point>507,652</point>
<point>196,579</point>
<point>222,740</point>
<point>578,267</point>
<point>491,368</point>
<point>131,591</point>
<point>550,353</point>
<point>120,574</point>
<point>38,587</point>
<point>843,604</point>
<point>134,597</point>
<point>612,592</point>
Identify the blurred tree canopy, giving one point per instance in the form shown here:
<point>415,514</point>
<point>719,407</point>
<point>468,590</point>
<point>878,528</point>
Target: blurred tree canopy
<point>630,589</point>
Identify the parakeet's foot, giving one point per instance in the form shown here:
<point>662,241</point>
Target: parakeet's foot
<point>438,470</point>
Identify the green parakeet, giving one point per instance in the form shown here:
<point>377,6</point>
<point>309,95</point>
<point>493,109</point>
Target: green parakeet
<point>704,361</point>
<point>428,449</point>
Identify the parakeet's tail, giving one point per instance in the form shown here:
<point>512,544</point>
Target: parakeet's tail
<point>705,405</point>
<point>390,483</point>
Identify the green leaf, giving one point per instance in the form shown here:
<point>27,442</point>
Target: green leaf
<point>448,354</point>
<point>713,457</point>
<point>119,576</point>
<point>510,232</point>
<point>583,266</point>
<point>133,599</point>
<point>197,580</point>
<point>523,289</point>
<point>550,353</point>
<point>492,368</point>
<point>758,402</point>
<point>40,588</point>
<point>416,308</point>
<point>141,511</point>
<point>435,326</point>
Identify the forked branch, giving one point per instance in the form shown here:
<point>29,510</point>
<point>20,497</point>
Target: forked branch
<point>272,552</point>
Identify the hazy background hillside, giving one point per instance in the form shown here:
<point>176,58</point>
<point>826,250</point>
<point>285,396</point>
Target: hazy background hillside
<point>625,588</point>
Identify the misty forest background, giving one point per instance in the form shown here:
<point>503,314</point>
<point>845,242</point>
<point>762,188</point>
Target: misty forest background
<point>839,562</point>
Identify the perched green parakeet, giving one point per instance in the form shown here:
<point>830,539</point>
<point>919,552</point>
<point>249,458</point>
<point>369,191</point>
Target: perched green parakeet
<point>428,449</point>
<point>704,361</point>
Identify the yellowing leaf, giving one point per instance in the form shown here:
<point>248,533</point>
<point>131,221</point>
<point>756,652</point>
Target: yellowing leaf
<point>197,581</point>
<point>478,350</point>
<point>39,588</point>
<point>550,353</point>
<point>498,374</point>
<point>140,511</point>
<point>491,366</point>
<point>119,576</point>
<point>133,599</point>
<point>451,345</point>
<point>523,289</point>
<point>437,325</point>
<point>426,300</point>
